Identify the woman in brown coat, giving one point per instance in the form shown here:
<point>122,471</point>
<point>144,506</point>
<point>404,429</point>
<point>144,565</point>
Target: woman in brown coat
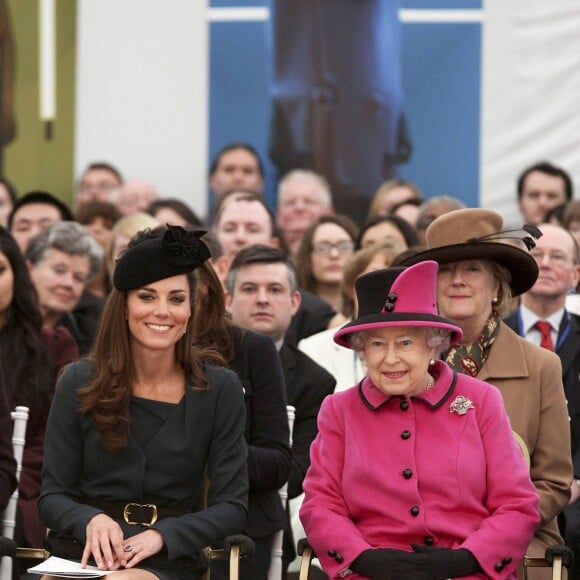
<point>480,269</point>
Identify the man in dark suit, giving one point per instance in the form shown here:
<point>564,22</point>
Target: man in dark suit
<point>262,295</point>
<point>543,319</point>
<point>242,219</point>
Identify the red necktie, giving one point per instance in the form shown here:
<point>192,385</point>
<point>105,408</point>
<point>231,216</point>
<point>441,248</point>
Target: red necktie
<point>545,329</point>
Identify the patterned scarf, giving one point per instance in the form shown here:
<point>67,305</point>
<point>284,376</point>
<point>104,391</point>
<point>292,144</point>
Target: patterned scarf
<point>468,359</point>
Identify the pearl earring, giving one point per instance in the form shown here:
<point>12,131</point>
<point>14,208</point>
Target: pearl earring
<point>431,362</point>
<point>495,300</point>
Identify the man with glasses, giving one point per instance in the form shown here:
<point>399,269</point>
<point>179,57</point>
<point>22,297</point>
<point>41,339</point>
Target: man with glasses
<point>543,319</point>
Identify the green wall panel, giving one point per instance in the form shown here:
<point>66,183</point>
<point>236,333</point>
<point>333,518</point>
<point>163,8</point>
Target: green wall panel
<point>30,160</point>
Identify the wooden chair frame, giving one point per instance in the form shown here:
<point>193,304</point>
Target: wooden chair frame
<point>557,566</point>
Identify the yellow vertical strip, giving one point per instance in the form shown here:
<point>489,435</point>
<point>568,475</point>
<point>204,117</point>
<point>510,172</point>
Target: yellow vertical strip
<point>30,160</point>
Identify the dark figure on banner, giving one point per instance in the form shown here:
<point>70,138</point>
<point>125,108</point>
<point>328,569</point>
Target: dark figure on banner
<point>337,95</point>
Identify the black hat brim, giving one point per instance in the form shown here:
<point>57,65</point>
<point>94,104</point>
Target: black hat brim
<point>398,319</point>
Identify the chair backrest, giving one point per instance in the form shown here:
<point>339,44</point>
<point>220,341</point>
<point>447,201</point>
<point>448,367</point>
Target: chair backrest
<point>531,561</point>
<point>275,570</point>
<point>523,448</point>
<point>19,422</point>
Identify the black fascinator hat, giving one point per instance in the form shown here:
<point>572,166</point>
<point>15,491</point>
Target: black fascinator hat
<point>157,254</point>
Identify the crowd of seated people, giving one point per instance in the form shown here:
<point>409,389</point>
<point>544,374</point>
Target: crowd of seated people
<point>57,271</point>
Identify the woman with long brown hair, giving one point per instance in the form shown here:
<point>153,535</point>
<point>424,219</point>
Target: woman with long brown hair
<point>143,419</point>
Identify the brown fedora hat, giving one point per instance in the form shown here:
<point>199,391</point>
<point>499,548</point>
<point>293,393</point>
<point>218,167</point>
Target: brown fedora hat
<point>467,234</point>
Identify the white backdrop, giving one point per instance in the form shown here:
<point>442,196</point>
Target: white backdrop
<point>142,92</point>
<point>530,94</point>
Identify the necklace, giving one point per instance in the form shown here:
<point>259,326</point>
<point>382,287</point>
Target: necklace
<point>430,383</point>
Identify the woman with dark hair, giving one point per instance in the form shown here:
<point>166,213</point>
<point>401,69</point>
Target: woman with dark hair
<point>174,212</point>
<point>31,357</point>
<point>146,421</point>
<point>99,218</point>
<point>387,226</point>
<point>7,462</point>
<point>324,249</point>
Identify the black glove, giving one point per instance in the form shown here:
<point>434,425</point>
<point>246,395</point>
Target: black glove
<point>389,564</point>
<point>447,563</point>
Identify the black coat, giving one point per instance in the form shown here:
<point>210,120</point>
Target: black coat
<point>204,432</point>
<point>313,315</point>
<point>257,363</point>
<point>83,321</point>
<point>7,461</point>
<point>569,353</point>
<point>307,384</point>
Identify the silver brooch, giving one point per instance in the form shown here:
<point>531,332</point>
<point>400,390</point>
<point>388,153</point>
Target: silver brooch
<point>460,405</point>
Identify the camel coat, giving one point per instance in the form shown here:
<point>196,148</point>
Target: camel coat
<point>530,381</point>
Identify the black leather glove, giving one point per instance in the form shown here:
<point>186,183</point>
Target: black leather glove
<point>389,564</point>
<point>447,563</point>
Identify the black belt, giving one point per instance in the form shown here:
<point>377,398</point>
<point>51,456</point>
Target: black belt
<point>134,513</point>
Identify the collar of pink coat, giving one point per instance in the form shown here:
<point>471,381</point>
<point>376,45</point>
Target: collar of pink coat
<point>434,397</point>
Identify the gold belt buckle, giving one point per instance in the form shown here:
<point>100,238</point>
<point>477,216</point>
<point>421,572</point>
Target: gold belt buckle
<point>127,513</point>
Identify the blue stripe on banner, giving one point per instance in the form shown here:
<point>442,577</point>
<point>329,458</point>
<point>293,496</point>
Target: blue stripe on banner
<point>441,81</point>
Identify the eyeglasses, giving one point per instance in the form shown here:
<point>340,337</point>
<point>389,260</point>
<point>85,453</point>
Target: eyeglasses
<point>557,258</point>
<point>327,247</point>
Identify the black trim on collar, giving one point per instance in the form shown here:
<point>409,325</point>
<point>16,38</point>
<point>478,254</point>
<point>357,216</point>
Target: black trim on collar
<point>443,398</point>
<point>372,407</point>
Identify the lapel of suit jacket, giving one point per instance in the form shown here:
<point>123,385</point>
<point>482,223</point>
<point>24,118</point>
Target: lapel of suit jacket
<point>570,348</point>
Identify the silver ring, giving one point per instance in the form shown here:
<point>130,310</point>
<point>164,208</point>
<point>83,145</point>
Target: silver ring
<point>128,548</point>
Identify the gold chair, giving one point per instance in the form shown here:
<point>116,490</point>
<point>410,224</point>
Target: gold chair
<point>235,547</point>
<point>558,556</point>
<point>304,549</point>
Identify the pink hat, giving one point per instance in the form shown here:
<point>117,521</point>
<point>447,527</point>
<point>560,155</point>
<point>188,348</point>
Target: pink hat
<point>397,297</point>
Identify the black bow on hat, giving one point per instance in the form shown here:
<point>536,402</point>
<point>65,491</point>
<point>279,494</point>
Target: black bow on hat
<point>155,255</point>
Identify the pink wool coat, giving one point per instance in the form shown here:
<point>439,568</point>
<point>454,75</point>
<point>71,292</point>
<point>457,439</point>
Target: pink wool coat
<point>393,471</point>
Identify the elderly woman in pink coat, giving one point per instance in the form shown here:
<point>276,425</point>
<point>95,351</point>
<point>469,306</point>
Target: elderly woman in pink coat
<point>415,472</point>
